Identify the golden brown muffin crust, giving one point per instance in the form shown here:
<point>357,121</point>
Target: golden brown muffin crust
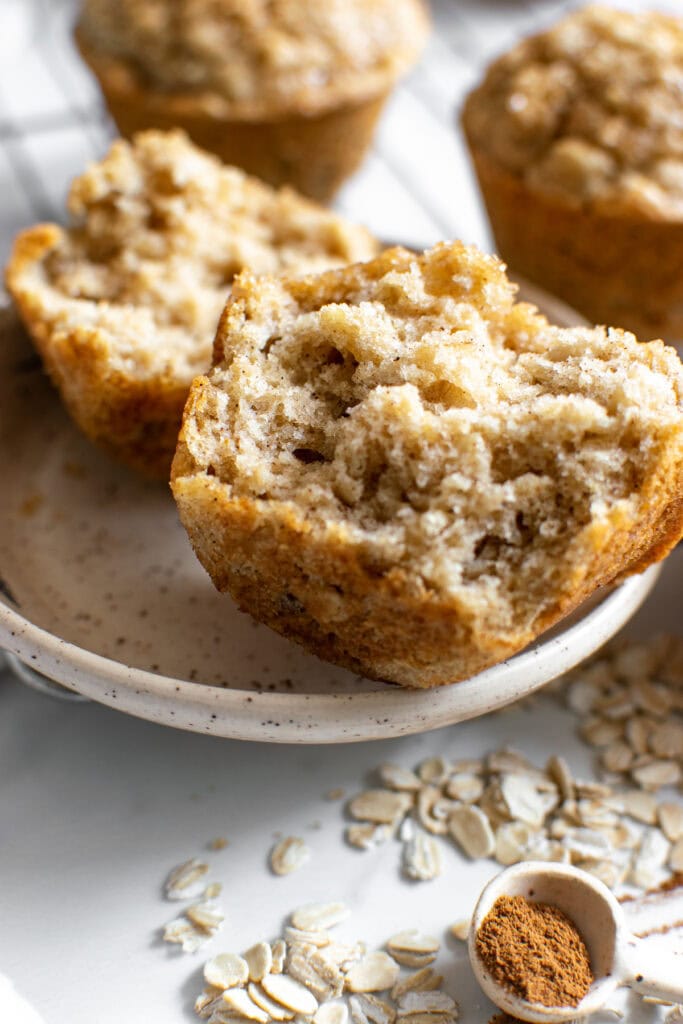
<point>588,112</point>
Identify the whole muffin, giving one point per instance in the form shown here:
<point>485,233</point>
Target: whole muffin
<point>290,90</point>
<point>404,470</point>
<point>577,140</point>
<point>123,303</point>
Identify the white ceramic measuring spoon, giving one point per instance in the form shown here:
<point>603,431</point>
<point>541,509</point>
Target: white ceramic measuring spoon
<point>617,956</point>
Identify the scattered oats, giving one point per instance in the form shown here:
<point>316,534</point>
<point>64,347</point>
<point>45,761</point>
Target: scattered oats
<point>640,806</point>
<point>507,760</point>
<point>427,1018</point>
<point>622,837</point>
<point>638,734</point>
<point>512,841</point>
<point>586,844</point>
<point>341,956</point>
<point>368,1008</point>
<point>394,777</point>
<point>559,771</point>
<point>652,699</point>
<point>274,1010</point>
<point>183,932</point>
<point>434,769</point>
<point>656,774</point>
<point>426,1002</point>
<point>618,757</point>
<point>596,814</point>
<point>609,873</point>
<point>382,806</point>
<point>427,798</point>
<point>542,848</point>
<point>279,952</point>
<point>412,941</point>
<point>493,805</point>
<point>676,856</point>
<point>422,858</point>
<point>331,1013</point>
<point>470,765</point>
<point>417,960</point>
<point>666,740</point>
<point>259,960</point>
<point>213,890</point>
<point>616,707</point>
<point>243,1005</point>
<point>407,830</point>
<point>368,836</point>
<point>186,881</point>
<point>289,855</point>
<point>315,917</point>
<point>219,843</point>
<point>320,977</point>
<point>226,971</point>
<point>461,929</point>
<point>582,696</point>
<point>335,794</point>
<point>207,1002</point>
<point>671,820</point>
<point>298,937</point>
<point>653,853</point>
<point>424,980</point>
<point>290,994</point>
<point>464,786</point>
<point>374,973</point>
<point>206,916</point>
<point>601,733</point>
<point>470,828</point>
<point>523,800</point>
<point>592,790</point>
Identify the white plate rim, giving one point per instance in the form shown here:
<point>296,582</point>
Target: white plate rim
<point>312,717</point>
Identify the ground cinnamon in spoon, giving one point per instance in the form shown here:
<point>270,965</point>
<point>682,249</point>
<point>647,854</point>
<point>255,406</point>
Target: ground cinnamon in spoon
<point>535,951</point>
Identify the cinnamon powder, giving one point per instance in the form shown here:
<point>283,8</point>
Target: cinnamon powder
<point>535,951</point>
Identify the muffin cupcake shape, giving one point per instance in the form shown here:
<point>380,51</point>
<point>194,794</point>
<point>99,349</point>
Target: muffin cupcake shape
<point>400,468</point>
<point>289,90</point>
<point>123,304</point>
<point>577,140</point>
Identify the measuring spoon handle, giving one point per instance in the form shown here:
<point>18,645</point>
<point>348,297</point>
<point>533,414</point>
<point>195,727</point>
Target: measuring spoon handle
<point>650,971</point>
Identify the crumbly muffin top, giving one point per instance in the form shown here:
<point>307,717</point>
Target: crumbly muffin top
<point>248,54</point>
<point>159,230</point>
<point>591,112</point>
<point>411,404</point>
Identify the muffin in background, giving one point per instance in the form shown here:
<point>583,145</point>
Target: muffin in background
<point>290,90</point>
<point>123,303</point>
<point>577,139</point>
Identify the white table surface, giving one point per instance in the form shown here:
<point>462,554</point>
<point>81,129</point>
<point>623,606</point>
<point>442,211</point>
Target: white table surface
<point>96,807</point>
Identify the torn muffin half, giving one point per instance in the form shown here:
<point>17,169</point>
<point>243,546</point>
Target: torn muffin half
<point>123,303</point>
<point>400,467</point>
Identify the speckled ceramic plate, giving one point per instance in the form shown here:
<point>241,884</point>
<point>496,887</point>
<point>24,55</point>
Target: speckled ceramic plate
<point>101,592</point>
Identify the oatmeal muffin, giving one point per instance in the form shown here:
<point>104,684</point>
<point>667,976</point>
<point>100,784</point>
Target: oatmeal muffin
<point>577,140</point>
<point>290,90</point>
<point>123,304</point>
<point>412,475</point>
